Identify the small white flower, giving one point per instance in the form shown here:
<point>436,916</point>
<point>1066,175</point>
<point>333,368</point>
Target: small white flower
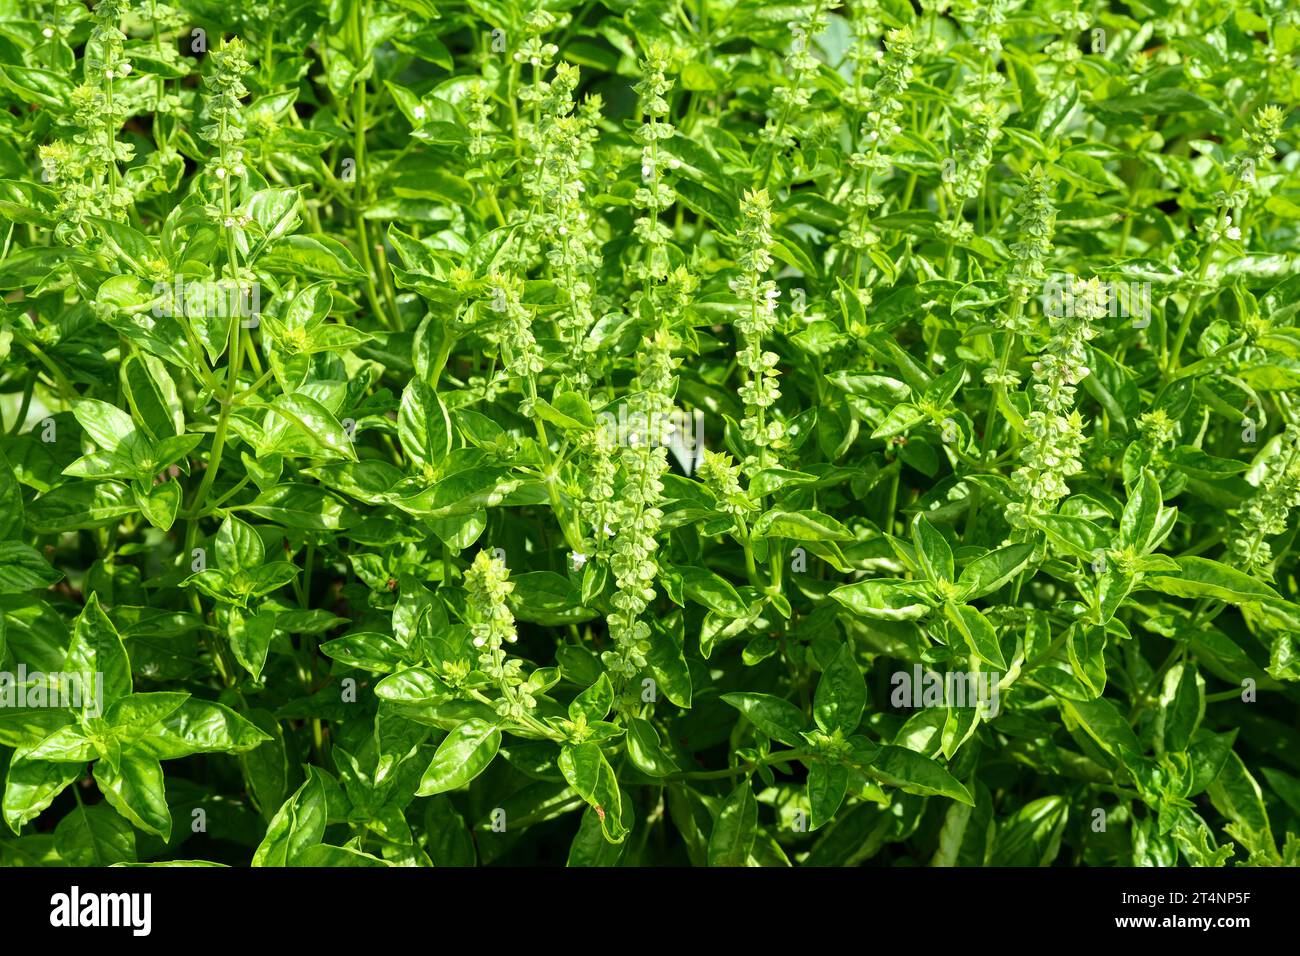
<point>239,170</point>
<point>480,641</point>
<point>609,532</point>
<point>418,112</point>
<point>1233,232</point>
<point>47,32</point>
<point>579,559</point>
<point>109,74</point>
<point>221,172</point>
<point>126,69</point>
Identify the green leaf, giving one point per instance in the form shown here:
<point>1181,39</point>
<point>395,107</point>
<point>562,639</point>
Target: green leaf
<point>979,634</point>
<point>990,571</point>
<point>462,756</point>
<point>449,840</point>
<point>881,599</point>
<point>11,500</point>
<point>32,785</point>
<point>1139,519</point>
<point>1086,647</point>
<point>1104,724</point>
<point>827,784</point>
<point>711,590</point>
<point>96,653</point>
<point>238,546</point>
<point>94,836</point>
<point>1237,796</point>
<point>841,694</point>
<point>646,751</point>
<point>734,828</point>
<point>151,393</point>
<point>901,418</point>
<point>591,777</point>
<point>301,506</point>
<point>161,505</point>
<point>1032,835</point>
<point>318,256</point>
<point>250,636</point>
<point>1182,705</point>
<point>367,650</point>
<point>297,826</point>
<point>779,719</point>
<point>107,426</point>
<point>932,550</point>
<point>65,745</point>
<point>916,773</point>
<point>460,494</point>
<point>1204,578</point>
<point>23,569</point>
<point>299,424</point>
<point>134,788</point>
<point>800,526</point>
<point>423,426</point>
<point>594,702</point>
<point>201,726</point>
<point>136,715</point>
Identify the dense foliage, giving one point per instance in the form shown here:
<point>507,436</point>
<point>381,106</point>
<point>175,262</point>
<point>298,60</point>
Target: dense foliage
<point>679,431</point>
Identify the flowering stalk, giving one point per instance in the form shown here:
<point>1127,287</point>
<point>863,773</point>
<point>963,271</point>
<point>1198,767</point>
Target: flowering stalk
<point>1267,129</point>
<point>596,504</point>
<point>1265,514</point>
<point>492,625</point>
<point>792,99</point>
<point>558,219</point>
<point>85,169</point>
<point>1054,429</point>
<point>722,479</point>
<point>972,155</point>
<point>653,196</point>
<point>225,131</point>
<point>110,63</point>
<point>637,515</point>
<point>1036,221</point>
<point>756,320</point>
<point>523,359</point>
<point>884,107</point>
